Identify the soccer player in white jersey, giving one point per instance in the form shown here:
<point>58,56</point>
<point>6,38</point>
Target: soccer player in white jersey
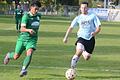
<point>89,26</point>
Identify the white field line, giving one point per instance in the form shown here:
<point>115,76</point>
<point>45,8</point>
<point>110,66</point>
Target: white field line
<point>71,21</point>
<point>63,68</point>
<point>56,20</point>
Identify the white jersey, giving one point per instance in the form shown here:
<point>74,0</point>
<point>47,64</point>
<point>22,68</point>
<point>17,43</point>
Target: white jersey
<point>87,24</point>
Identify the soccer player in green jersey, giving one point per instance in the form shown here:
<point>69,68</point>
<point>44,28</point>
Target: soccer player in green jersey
<point>27,38</point>
<point>18,17</point>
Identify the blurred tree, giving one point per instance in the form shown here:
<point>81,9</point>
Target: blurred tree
<point>69,2</point>
<point>9,1</point>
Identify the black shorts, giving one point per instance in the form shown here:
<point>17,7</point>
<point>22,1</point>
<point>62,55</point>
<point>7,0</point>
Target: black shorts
<point>88,44</point>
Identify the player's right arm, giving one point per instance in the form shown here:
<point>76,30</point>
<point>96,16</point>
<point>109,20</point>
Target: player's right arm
<point>24,23</point>
<point>69,30</point>
<point>24,29</point>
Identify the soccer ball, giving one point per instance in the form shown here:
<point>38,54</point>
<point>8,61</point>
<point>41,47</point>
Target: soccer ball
<point>70,74</point>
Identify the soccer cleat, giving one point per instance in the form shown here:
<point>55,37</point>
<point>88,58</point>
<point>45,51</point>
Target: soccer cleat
<point>6,59</point>
<point>72,67</point>
<point>23,73</point>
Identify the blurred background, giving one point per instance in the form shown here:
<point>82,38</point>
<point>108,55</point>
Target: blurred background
<point>69,8</point>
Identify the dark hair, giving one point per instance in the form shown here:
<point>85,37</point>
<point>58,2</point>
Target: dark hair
<point>36,3</point>
<point>85,3</point>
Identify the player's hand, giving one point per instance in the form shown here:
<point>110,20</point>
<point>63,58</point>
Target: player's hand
<point>31,31</point>
<point>65,40</point>
<point>93,34</point>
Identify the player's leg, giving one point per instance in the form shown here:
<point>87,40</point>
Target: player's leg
<point>30,47</point>
<point>89,47</point>
<point>14,55</point>
<point>26,62</point>
<point>75,58</point>
<point>8,56</point>
<point>86,55</point>
<point>17,23</point>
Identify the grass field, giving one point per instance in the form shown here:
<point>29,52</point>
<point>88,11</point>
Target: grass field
<point>52,57</point>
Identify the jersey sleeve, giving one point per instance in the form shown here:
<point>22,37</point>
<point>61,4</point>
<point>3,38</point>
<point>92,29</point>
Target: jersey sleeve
<point>74,23</point>
<point>39,14</point>
<point>24,19</point>
<point>97,21</point>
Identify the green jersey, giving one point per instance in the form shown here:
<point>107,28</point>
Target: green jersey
<point>18,13</point>
<point>31,22</point>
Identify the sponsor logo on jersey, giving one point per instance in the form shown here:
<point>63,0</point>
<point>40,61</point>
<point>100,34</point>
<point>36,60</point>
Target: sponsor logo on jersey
<point>35,24</point>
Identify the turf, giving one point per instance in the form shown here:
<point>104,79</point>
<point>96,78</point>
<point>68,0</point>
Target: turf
<point>52,57</point>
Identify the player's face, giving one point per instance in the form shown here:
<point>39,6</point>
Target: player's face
<point>18,6</point>
<point>34,9</point>
<point>84,8</point>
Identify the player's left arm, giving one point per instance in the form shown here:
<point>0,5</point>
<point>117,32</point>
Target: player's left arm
<point>98,29</point>
<point>97,26</point>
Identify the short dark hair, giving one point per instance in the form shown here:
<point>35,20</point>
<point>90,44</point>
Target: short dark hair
<point>36,3</point>
<point>85,3</point>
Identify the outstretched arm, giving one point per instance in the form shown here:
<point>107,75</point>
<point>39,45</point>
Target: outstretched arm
<point>69,30</point>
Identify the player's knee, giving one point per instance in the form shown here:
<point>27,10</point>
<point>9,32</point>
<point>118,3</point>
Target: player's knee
<point>29,52</point>
<point>87,58</point>
<point>86,55</point>
<point>16,56</point>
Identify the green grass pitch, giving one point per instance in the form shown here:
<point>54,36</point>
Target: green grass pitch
<point>52,57</point>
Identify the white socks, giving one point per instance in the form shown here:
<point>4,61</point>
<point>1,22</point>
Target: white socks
<point>74,61</point>
<point>23,68</point>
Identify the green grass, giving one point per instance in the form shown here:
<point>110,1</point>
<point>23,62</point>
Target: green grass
<point>52,57</point>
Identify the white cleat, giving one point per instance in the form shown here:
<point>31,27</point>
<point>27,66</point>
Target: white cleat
<point>6,59</point>
<point>23,73</point>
